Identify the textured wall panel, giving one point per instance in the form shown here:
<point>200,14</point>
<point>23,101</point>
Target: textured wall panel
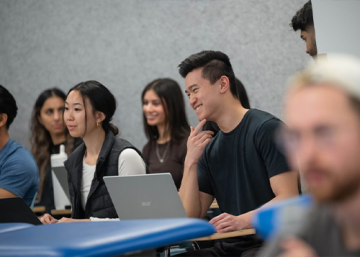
<point>125,44</point>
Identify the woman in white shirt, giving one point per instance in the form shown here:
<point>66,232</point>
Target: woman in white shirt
<point>89,108</point>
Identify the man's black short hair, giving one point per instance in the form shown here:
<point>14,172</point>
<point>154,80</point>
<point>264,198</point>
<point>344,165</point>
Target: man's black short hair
<point>303,18</point>
<point>7,105</point>
<point>214,63</point>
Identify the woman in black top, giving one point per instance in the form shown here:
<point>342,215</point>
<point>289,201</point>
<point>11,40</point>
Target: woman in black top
<point>89,108</point>
<point>166,127</point>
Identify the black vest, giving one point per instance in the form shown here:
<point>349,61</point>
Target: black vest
<point>98,203</point>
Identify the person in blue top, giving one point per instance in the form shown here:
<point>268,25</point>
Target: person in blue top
<point>19,175</point>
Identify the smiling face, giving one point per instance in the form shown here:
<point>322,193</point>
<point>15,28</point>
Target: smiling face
<point>153,109</point>
<point>51,115</point>
<point>74,115</point>
<point>323,139</point>
<point>202,95</point>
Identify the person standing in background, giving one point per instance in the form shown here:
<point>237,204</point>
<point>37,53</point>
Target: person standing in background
<point>166,127</point>
<point>303,20</point>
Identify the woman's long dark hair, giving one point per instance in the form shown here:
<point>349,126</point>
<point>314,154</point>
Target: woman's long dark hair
<point>40,138</point>
<point>101,99</point>
<point>243,97</point>
<point>172,100</point>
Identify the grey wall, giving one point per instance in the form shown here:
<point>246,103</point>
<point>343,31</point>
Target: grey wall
<point>337,25</point>
<point>125,44</point>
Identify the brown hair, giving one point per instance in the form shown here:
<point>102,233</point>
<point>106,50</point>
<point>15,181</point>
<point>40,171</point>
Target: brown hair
<point>40,138</point>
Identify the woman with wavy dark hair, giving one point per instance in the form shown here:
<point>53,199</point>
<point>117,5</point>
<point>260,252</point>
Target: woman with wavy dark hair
<point>166,127</point>
<point>48,132</point>
<point>89,108</point>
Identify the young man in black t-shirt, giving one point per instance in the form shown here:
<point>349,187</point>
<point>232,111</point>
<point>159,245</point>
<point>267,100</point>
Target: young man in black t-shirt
<point>241,167</point>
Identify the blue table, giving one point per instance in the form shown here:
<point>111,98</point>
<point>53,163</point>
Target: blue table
<point>7,227</point>
<point>100,238</point>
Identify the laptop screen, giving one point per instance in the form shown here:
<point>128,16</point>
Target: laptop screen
<point>16,210</point>
<point>148,196</point>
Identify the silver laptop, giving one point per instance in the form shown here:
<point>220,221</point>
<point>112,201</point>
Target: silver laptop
<point>150,196</point>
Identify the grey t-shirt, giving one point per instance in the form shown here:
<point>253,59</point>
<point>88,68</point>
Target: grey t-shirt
<point>319,230</point>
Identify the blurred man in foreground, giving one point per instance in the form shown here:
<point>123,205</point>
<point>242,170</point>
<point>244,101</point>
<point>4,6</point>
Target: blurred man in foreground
<point>322,111</point>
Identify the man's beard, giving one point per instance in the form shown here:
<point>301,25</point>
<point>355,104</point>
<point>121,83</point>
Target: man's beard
<point>338,191</point>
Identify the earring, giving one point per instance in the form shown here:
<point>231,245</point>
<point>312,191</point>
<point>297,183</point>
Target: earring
<point>98,124</point>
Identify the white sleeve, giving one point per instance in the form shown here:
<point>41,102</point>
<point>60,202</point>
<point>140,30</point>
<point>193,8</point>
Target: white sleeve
<point>104,219</point>
<point>131,163</point>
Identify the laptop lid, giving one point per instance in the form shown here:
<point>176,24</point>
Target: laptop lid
<point>61,175</point>
<point>148,196</point>
<point>15,209</point>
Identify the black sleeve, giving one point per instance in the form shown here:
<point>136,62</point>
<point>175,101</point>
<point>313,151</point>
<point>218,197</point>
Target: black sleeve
<point>274,160</point>
<point>203,175</point>
<point>146,152</point>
